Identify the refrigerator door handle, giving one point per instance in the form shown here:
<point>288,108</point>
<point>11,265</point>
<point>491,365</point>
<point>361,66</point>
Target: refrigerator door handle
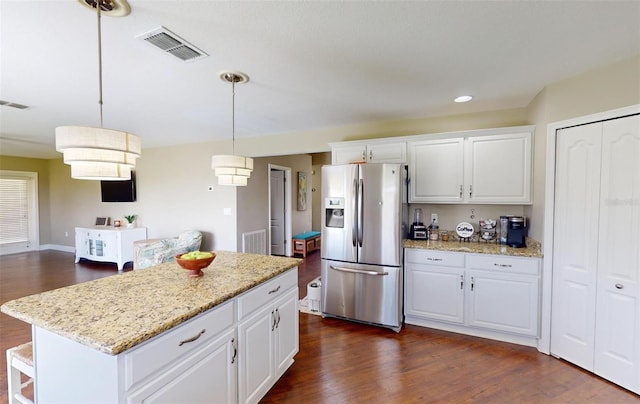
<point>360,212</point>
<point>359,271</point>
<point>354,211</point>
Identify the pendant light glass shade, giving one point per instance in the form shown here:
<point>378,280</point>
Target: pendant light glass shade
<point>98,153</point>
<point>232,169</point>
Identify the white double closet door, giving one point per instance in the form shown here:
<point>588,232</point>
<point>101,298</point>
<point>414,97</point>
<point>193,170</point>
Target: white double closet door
<point>595,320</point>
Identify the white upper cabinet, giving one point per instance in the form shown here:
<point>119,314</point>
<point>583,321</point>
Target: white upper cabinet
<point>481,167</point>
<point>498,169</point>
<point>436,170</point>
<point>372,151</point>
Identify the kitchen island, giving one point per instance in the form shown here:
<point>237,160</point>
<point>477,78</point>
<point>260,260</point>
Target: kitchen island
<point>157,334</point>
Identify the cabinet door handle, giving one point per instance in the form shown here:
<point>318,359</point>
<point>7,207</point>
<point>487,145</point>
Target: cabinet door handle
<point>235,350</point>
<point>273,321</point>
<point>460,191</point>
<point>278,316</point>
<point>370,154</point>
<point>461,281</point>
<point>470,190</point>
<point>472,283</point>
<point>274,290</point>
<point>186,341</point>
<point>619,286</point>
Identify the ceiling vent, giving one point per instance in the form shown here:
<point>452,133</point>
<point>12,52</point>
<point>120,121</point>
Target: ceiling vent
<point>171,43</point>
<point>12,105</point>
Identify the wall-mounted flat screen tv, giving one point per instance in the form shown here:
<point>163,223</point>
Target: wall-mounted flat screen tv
<point>119,191</point>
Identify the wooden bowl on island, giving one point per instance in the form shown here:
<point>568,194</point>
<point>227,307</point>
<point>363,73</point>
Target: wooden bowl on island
<point>193,264</point>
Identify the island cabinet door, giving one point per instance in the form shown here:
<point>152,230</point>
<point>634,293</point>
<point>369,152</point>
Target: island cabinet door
<point>208,375</point>
<point>256,367</point>
<point>286,330</point>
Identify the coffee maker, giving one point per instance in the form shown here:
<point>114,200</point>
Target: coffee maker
<point>418,230</point>
<point>516,231</point>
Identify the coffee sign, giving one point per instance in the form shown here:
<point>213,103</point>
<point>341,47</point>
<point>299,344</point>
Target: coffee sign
<point>464,230</point>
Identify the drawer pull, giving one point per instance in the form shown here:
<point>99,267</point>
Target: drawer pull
<point>274,290</point>
<point>186,341</point>
<point>619,286</point>
<point>503,265</point>
<point>434,259</point>
<point>278,315</point>
<point>235,350</point>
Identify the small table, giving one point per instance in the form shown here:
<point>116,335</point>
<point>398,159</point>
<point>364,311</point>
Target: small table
<point>305,243</point>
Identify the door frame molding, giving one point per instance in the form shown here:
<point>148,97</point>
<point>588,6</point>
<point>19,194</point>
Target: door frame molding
<point>287,209</point>
<point>544,342</point>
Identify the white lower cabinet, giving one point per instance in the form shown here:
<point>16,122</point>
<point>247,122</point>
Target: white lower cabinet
<point>478,294</point>
<point>207,375</point>
<point>268,337</point>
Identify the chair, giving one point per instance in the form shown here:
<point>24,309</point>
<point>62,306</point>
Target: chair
<point>147,253</point>
<point>19,361</point>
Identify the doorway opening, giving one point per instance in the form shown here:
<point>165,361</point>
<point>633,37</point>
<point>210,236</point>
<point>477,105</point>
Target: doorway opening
<point>280,210</point>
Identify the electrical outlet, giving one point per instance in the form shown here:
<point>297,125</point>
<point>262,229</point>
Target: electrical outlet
<point>434,218</point>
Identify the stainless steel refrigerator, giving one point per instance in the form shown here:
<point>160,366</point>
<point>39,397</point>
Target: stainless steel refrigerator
<point>362,277</point>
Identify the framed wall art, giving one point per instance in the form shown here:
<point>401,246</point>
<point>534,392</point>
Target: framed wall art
<point>302,190</point>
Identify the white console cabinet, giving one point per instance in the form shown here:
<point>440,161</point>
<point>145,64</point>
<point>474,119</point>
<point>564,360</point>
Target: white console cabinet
<point>486,295</point>
<point>107,244</point>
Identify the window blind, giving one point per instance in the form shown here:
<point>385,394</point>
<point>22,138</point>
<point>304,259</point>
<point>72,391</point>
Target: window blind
<point>14,210</point>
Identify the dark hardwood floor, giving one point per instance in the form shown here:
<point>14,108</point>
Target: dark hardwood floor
<point>345,362</point>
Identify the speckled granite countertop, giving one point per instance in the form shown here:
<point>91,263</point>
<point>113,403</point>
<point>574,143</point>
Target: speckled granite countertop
<point>531,250</point>
<point>115,313</point>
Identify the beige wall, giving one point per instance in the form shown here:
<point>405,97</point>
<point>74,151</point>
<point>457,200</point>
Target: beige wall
<point>42,168</point>
<point>317,161</point>
<point>173,181</point>
<point>607,88</point>
<point>253,200</point>
<point>172,196</point>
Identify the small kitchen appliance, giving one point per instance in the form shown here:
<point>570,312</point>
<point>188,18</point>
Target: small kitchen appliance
<point>418,230</point>
<point>517,231</point>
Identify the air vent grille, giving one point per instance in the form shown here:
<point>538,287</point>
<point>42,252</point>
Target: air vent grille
<point>171,43</point>
<point>13,104</point>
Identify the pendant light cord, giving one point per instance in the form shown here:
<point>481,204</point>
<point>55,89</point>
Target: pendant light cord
<point>233,116</point>
<point>98,6</point>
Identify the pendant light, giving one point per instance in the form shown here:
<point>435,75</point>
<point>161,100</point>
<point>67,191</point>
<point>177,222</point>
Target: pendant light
<point>232,169</point>
<point>98,153</point>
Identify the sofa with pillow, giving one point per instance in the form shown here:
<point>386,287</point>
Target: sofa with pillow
<point>147,253</point>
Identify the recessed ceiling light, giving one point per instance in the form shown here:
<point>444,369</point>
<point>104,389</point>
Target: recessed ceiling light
<point>463,98</point>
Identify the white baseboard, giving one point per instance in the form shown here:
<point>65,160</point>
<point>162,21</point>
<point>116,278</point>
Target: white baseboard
<point>58,247</point>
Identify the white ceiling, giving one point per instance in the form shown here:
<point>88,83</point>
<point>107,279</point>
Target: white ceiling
<point>312,64</point>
